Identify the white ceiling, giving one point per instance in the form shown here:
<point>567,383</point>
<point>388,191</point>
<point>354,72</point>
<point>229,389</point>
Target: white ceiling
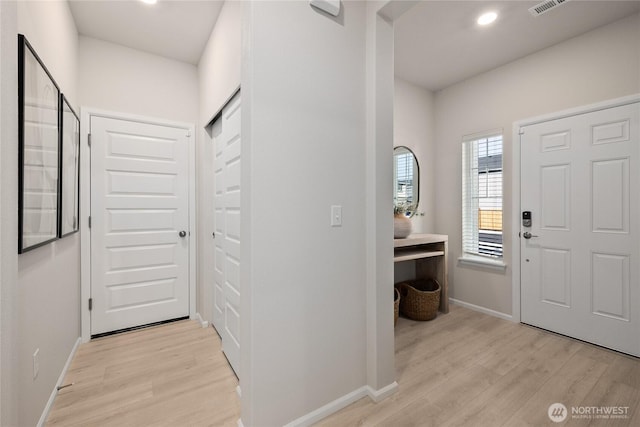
<point>177,29</point>
<point>438,43</point>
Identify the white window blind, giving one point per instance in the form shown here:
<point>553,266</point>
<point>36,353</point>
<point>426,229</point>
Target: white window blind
<point>482,195</point>
<point>403,178</point>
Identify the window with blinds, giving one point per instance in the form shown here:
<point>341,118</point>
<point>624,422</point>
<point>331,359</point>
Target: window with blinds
<point>403,178</point>
<point>482,195</point>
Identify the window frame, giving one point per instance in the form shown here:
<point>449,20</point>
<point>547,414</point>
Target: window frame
<point>470,204</point>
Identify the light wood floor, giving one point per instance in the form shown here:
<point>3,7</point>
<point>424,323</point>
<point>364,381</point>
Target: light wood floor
<point>170,375</point>
<point>469,369</point>
<point>461,369</point>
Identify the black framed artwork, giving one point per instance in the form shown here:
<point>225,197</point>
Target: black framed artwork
<point>69,169</point>
<point>38,136</point>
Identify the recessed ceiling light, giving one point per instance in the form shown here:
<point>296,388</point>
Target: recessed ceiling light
<point>487,18</point>
<point>149,1</point>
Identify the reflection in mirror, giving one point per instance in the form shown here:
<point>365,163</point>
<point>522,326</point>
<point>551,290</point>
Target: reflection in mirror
<point>406,181</point>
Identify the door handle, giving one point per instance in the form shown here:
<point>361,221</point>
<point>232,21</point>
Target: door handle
<point>528,235</point>
<point>182,233</point>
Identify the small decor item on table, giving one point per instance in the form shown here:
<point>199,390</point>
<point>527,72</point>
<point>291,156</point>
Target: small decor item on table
<point>419,299</point>
<point>396,306</point>
<point>401,222</point>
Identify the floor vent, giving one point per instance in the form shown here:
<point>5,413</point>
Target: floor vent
<point>545,7</point>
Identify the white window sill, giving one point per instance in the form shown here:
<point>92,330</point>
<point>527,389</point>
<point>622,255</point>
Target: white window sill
<point>479,261</point>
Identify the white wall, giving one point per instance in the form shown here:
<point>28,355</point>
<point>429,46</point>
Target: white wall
<point>8,212</point>
<point>120,79</point>
<point>219,78</point>
<point>50,29</point>
<point>219,67</point>
<point>599,65</point>
<point>45,297</point>
<point>379,197</point>
<point>414,127</point>
<point>304,319</point>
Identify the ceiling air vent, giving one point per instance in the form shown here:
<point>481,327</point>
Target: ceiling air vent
<point>545,7</point>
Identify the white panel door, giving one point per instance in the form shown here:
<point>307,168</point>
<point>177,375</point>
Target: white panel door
<point>139,207</point>
<point>580,266</point>
<point>226,304</point>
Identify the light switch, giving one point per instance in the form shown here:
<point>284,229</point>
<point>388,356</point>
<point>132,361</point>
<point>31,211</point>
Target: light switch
<point>336,216</point>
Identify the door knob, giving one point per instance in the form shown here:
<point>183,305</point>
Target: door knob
<point>528,235</point>
<point>182,233</point>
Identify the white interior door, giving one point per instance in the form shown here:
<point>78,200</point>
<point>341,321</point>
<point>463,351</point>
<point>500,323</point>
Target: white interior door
<point>580,268</point>
<point>139,211</point>
<point>226,305</point>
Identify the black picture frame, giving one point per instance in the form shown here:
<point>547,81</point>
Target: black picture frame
<point>69,179</point>
<point>38,153</point>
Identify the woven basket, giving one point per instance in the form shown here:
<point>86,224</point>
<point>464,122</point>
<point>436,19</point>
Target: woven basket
<point>396,306</point>
<point>419,299</point>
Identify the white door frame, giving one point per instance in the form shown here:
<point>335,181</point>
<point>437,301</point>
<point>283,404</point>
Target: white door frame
<point>85,208</point>
<point>515,189</point>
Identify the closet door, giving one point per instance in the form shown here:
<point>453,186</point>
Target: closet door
<point>226,292</point>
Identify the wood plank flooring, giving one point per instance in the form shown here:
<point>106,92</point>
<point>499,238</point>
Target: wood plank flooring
<point>461,369</point>
<point>170,375</point>
<point>469,369</point>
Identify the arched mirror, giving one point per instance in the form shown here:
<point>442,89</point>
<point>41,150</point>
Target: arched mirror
<point>406,181</point>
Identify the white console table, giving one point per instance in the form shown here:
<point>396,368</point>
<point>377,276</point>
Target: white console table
<point>430,252</point>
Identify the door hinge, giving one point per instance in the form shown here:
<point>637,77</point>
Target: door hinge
<point>89,222</point>
<point>188,133</point>
<point>90,304</point>
<point>89,140</point>
<point>521,132</point>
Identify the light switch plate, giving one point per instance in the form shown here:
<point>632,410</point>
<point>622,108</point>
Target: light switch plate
<point>336,216</point>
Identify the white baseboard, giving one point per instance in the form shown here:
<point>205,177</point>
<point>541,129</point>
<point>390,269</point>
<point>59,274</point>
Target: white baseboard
<point>240,422</point>
<point>342,402</point>
<point>383,393</point>
<point>204,323</point>
<point>328,409</point>
<point>482,309</point>
<point>54,393</point>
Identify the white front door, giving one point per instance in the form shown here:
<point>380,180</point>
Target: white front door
<point>139,211</point>
<point>226,292</point>
<point>580,264</point>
